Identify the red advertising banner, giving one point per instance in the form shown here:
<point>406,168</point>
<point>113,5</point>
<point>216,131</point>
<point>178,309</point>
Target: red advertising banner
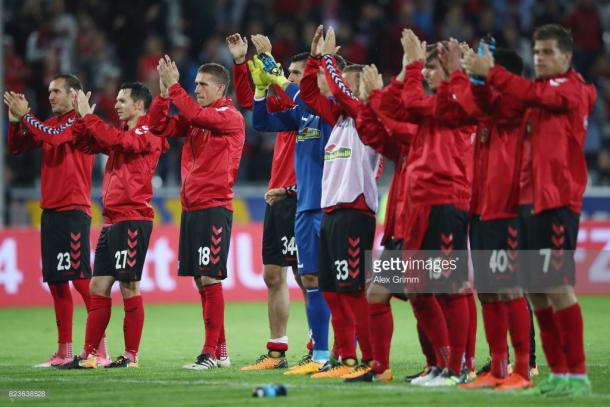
<point>21,277</point>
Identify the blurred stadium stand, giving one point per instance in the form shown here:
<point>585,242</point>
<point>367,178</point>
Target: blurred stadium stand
<point>107,42</point>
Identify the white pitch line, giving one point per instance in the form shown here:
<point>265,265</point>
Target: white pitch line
<point>314,385</point>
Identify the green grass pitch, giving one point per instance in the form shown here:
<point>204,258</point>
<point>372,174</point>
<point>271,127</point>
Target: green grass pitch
<point>173,335</point>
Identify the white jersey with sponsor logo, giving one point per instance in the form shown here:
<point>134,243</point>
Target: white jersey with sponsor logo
<point>350,167</point>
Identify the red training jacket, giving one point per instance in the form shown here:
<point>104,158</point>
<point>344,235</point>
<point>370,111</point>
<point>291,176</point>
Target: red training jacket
<point>440,160</point>
<point>282,166</point>
<point>215,138</point>
<point>132,160</point>
<point>66,171</point>
<point>391,139</point>
<point>556,122</point>
<point>497,149</point>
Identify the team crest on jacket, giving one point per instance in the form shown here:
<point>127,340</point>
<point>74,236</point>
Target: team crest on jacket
<point>308,133</point>
<point>333,152</point>
<point>141,130</point>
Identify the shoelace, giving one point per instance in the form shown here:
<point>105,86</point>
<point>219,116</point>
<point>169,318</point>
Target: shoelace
<point>304,360</point>
<point>261,359</point>
<point>336,368</point>
<point>361,368</point>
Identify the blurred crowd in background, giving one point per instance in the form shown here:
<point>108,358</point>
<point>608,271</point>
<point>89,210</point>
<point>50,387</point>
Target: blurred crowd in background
<point>106,42</point>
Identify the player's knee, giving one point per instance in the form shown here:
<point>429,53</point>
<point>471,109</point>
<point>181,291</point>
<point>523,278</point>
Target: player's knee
<point>205,280</point>
<point>100,286</point>
<point>539,301</point>
<point>378,295</point>
<point>378,298</point>
<point>564,298</point>
<point>273,276</point>
<point>309,280</point>
<point>129,289</point>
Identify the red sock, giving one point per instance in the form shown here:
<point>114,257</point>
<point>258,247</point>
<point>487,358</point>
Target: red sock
<point>336,350</point>
<point>426,346</point>
<point>221,349</point>
<point>64,310</point>
<point>519,326</point>
<point>495,321</point>
<point>455,308</point>
<point>97,321</point>
<point>552,342</point>
<point>472,332</point>
<point>133,325</point>
<point>381,328</point>
<point>277,346</point>
<point>213,317</point>
<point>310,346</point>
<point>357,303</point>
<point>82,286</point>
<point>343,326</point>
<point>430,315</point>
<point>571,325</point>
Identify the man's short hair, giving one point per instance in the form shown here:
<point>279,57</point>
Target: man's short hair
<point>562,35</point>
<point>432,50</point>
<point>70,81</point>
<point>219,72</point>
<point>353,68</point>
<point>300,57</point>
<point>509,59</point>
<point>139,92</point>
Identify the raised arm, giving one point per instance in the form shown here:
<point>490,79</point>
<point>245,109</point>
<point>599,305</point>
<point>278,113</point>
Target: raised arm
<point>162,124</point>
<point>39,131</point>
<point>339,88</point>
<point>310,93</point>
<point>554,94</point>
<point>134,141</point>
<point>84,140</point>
<point>219,120</point>
<point>403,132</point>
<point>263,120</point>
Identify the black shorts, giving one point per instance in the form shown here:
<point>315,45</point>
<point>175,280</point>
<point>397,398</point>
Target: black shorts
<point>549,241</point>
<point>121,250</point>
<point>65,246</point>
<point>445,239</point>
<point>392,246</point>
<point>279,246</point>
<point>345,235</point>
<point>205,237</point>
<point>494,248</point>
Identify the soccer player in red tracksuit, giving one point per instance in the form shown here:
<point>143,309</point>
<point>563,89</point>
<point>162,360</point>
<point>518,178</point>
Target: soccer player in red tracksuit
<point>279,248</point>
<point>65,202</point>
<point>438,176</point>
<point>133,153</point>
<point>348,223</point>
<point>391,139</point>
<point>553,181</point>
<point>215,133</point>
<point>494,238</point>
